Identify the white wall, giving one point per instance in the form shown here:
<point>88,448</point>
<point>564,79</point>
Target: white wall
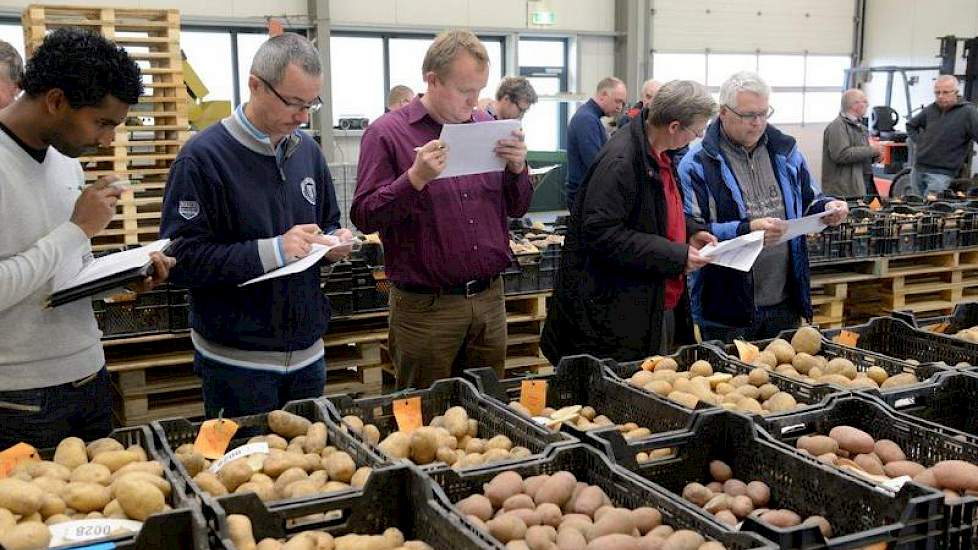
<point>217,8</point>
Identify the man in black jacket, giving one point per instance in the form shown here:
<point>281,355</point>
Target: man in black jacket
<point>620,291</point>
<point>942,135</point>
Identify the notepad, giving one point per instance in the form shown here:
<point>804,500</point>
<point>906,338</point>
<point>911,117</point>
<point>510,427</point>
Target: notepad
<point>108,272</point>
<point>472,147</point>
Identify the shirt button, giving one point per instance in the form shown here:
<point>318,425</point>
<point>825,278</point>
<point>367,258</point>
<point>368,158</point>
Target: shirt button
<point>471,222</point>
<point>475,247</point>
<point>465,195</point>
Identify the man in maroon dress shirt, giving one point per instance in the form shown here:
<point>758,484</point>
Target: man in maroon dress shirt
<point>445,239</point>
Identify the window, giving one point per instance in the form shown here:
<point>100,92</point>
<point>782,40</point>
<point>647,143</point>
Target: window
<point>721,66</point>
<point>782,70</point>
<point>208,53</point>
<point>679,66</point>
<point>541,122</point>
<point>544,63</point>
<point>248,44</point>
<point>406,57</point>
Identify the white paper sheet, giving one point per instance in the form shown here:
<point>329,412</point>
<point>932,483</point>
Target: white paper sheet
<point>739,253</point>
<point>542,170</point>
<point>113,264</point>
<point>804,226</point>
<point>298,266</point>
<point>471,147</point>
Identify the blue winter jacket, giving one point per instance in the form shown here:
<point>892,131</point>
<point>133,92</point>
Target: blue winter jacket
<point>711,195</point>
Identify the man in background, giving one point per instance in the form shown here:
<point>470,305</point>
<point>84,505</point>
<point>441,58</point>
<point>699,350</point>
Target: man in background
<point>11,71</point>
<point>649,88</point>
<point>847,155</point>
<point>942,135</point>
<point>585,133</point>
<point>514,97</point>
<point>398,97</point>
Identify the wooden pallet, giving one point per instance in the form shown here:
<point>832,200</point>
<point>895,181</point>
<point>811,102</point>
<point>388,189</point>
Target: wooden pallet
<point>828,301</point>
<point>146,145</point>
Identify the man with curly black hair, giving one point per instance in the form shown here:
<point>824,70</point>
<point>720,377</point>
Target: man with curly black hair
<point>77,87</point>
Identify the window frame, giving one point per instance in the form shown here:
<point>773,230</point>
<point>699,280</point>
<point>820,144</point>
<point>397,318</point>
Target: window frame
<point>563,75</point>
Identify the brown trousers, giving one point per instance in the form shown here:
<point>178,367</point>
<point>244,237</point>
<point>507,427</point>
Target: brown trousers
<point>435,336</point>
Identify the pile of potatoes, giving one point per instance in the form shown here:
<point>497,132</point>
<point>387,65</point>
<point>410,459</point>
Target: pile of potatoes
<point>751,393</point>
<point>240,531</point>
<point>856,451</point>
<point>299,463</point>
<point>730,500</point>
<point>800,359</point>
<point>452,438</point>
<point>968,334</point>
<point>101,480</point>
<point>558,512</point>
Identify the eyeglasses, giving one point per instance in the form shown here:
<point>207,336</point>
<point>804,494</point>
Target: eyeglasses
<point>312,106</point>
<point>519,108</point>
<point>751,117</point>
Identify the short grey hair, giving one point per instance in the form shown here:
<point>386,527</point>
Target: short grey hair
<point>849,98</point>
<point>11,62</point>
<point>744,81</point>
<point>947,78</point>
<point>278,52</point>
<point>608,83</point>
<point>683,101</point>
<point>516,88</point>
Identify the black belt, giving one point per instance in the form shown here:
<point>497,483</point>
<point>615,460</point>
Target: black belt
<point>468,289</point>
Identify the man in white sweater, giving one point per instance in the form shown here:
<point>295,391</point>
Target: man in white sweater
<point>77,87</point>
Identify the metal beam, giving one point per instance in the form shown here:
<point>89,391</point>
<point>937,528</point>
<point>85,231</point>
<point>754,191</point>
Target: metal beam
<point>632,43</point>
<point>323,120</point>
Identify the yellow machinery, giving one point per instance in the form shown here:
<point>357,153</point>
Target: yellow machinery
<point>202,114</point>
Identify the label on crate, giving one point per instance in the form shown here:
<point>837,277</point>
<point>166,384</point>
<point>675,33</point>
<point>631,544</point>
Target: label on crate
<point>875,205</point>
<point>895,484</point>
<point>533,396</point>
<point>747,351</point>
<point>214,437</point>
<point>407,412</point>
<point>82,530</point>
<point>240,452</point>
<point>847,338</point>
<point>12,456</point>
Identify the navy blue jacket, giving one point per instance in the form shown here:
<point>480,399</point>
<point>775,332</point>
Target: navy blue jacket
<point>224,200</point>
<point>712,196</point>
<point>585,137</point>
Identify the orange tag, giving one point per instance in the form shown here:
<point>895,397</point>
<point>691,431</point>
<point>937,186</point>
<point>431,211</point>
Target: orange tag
<point>650,363</point>
<point>847,338</point>
<point>941,328</point>
<point>533,396</point>
<point>214,437</point>
<point>12,456</point>
<point>875,205</point>
<point>748,352</point>
<point>407,412</point>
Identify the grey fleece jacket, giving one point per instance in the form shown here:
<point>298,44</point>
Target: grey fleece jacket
<point>943,138</point>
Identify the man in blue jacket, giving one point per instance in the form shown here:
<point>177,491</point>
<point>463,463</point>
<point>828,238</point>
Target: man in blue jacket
<point>245,197</point>
<point>746,176</point>
<point>585,133</point>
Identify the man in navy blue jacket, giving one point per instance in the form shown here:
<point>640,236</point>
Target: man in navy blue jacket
<point>245,197</point>
<point>585,133</point>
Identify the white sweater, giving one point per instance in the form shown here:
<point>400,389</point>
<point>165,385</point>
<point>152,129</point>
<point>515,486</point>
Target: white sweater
<point>38,244</point>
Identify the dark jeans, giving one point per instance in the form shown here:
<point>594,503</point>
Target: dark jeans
<point>768,322</point>
<point>242,391</point>
<point>43,417</point>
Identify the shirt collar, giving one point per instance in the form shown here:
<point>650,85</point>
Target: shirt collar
<point>253,131</point>
<point>416,111</point>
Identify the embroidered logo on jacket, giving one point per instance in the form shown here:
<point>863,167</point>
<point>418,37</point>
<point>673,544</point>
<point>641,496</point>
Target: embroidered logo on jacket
<point>308,187</point>
<point>188,209</point>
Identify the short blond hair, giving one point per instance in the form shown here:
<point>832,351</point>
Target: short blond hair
<point>446,46</point>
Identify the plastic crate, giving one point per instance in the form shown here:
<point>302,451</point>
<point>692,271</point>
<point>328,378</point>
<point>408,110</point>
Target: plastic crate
<point>623,488</point>
<point>899,341</point>
<point>179,309</point>
<point>398,497</point>
<point>949,400</point>
<point>583,380</point>
<point>145,313</point>
<point>177,529</point>
<point>337,277</point>
<point>494,419</point>
<point>807,395</point>
<point>964,316</point>
<point>172,433</point>
<point>913,518</point>
<point>920,440</point>
<point>548,276</point>
<point>369,298</point>
<point>530,277</point>
<point>511,279</point>
<point>340,303</point>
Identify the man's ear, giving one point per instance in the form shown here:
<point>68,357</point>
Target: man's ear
<point>55,101</point>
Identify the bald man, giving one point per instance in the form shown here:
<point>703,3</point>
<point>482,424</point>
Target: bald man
<point>942,134</point>
<point>649,88</point>
<point>847,155</point>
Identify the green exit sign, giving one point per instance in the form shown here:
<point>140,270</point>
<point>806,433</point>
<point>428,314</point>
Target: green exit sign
<point>542,18</point>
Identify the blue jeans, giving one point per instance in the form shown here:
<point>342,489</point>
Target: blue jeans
<point>768,322</point>
<point>43,417</point>
<point>242,391</point>
<point>927,183</point>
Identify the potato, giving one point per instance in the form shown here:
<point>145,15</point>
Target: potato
<point>571,539</point>
<point>888,451</point>
<point>193,462</point>
<point>720,471</point>
<point>396,445</point>
<point>899,381</point>
<point>315,438</point>
<point>476,505</point>
<point>589,500</point>
<point>877,374</point>
<point>51,505</point>
<point>158,482</point>
<point>646,519</point>
<point>741,506</point>
<point>818,445</point>
<point>499,442</point>
<point>807,340</point>
<point>209,483</point>
<point>557,489</point>
<point>71,453</point>
<point>102,445</point>
<point>926,478</point>
<point>304,488</point>
<point>701,368</point>
<point>685,399</point>
<point>781,518</point>
<point>759,493</point>
<point>870,463</point>
<point>87,497</point>
<point>424,445</point>
<point>614,520</point>
<point>540,537</point>
<point>269,544</point>
<point>60,518</point>
<point>92,473</point>
<point>726,517</point>
<point>153,468</point>
<point>456,421</point>
<point>360,477</point>
<point>49,484</point>
<point>780,402</point>
<point>957,475</point>
<point>288,425</point>
<point>507,527</point>
<point>29,535</point>
<point>340,467</point>
<point>897,468</point>
<point>139,499</point>
<point>616,541</point>
<point>852,439</point>
<point>734,487</point>
<point>264,490</point>
<point>234,473</point>
<point>697,494</point>
<point>239,529</point>
<point>20,497</point>
<point>115,459</point>
<point>280,461</point>
<point>719,502</point>
<point>823,525</point>
<point>683,539</point>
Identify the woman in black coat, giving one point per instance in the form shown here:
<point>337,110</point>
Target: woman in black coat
<point>620,291</point>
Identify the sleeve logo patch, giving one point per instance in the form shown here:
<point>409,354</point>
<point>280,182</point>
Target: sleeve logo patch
<point>308,188</point>
<point>188,209</point>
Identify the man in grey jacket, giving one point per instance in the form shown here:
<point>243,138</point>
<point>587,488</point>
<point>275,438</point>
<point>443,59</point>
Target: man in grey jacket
<point>942,134</point>
<point>847,155</point>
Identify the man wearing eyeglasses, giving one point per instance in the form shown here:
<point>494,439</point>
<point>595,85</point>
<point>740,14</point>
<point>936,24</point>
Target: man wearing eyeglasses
<point>514,97</point>
<point>245,197</point>
<point>942,134</point>
<point>745,176</point>
<point>586,135</point>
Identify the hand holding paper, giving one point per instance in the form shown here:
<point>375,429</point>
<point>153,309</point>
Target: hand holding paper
<point>513,150</point>
<point>429,162</point>
<point>316,253</point>
<point>475,148</point>
<point>739,253</point>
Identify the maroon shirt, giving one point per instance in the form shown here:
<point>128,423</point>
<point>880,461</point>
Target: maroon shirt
<point>452,231</point>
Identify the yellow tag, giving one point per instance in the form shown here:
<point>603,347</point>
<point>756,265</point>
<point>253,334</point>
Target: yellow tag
<point>747,351</point>
<point>875,205</point>
<point>214,437</point>
<point>533,396</point>
<point>407,412</point>
<point>847,338</point>
<point>941,328</point>
<point>12,456</point>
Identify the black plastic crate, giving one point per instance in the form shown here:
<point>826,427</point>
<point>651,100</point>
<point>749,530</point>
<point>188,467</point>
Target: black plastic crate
<point>511,279</point>
<point>918,439</point>
<point>178,529</point>
<point>964,316</point>
<point>145,313</point>
<point>806,395</point>
<point>179,309</point>
<point>913,518</point>
<point>550,256</point>
<point>369,298</point>
<point>548,276</point>
<point>173,432</point>
<point>623,488</point>
<point>340,303</point>
<point>899,341</point>
<point>337,281</point>
<point>494,419</point>
<point>583,380</point>
<point>400,497</point>
<point>949,400</point>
